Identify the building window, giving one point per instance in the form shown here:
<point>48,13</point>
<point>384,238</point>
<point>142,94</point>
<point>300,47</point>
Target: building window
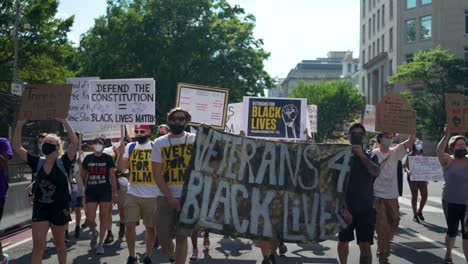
<point>466,21</point>
<point>369,53</point>
<point>466,54</point>
<point>363,34</point>
<point>369,28</point>
<point>369,7</point>
<point>411,30</point>
<point>383,43</point>
<point>410,4</point>
<point>349,68</point>
<point>373,23</point>
<point>390,68</point>
<point>383,15</point>
<point>373,50</point>
<point>391,9</point>
<point>378,19</point>
<point>390,40</point>
<point>426,27</point>
<point>363,88</point>
<point>378,46</point>
<point>363,58</point>
<point>363,8</point>
<point>426,2</point>
<point>409,58</point>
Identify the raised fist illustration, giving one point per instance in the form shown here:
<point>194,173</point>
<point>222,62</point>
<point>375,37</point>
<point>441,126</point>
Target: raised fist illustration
<point>289,114</point>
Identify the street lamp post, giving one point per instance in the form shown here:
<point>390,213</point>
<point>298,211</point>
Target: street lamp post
<point>15,40</point>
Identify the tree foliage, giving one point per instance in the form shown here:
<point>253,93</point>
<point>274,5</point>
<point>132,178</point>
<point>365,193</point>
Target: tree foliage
<point>338,105</point>
<point>45,53</point>
<point>436,72</point>
<point>205,42</point>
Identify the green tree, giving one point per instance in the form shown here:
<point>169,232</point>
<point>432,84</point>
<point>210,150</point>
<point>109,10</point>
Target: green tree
<point>338,105</point>
<point>207,42</point>
<point>45,53</point>
<point>435,72</point>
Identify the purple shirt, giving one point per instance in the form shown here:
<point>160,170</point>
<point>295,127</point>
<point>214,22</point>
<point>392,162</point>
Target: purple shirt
<point>5,149</point>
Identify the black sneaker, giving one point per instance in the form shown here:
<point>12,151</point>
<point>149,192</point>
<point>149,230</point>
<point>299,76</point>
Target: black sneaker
<point>84,225</point>
<point>109,238</point>
<point>132,260</point>
<point>147,260</point>
<point>77,232</point>
<point>416,219</point>
<point>420,216</point>
<point>121,231</point>
<point>282,249</point>
<point>266,260</point>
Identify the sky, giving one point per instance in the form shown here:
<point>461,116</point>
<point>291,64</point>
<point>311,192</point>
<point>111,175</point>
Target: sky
<point>292,30</point>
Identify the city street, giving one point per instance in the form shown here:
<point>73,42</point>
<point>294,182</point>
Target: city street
<point>414,243</point>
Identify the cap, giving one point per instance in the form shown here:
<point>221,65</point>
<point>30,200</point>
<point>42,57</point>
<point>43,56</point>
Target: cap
<point>99,140</point>
<point>145,127</point>
<point>453,139</point>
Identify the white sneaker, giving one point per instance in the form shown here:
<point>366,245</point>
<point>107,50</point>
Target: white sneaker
<point>94,237</point>
<point>99,249</point>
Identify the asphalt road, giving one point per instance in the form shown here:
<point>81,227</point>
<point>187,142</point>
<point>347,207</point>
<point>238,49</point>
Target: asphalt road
<point>414,243</point>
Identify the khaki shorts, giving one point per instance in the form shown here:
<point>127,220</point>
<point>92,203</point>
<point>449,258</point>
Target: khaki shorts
<point>122,195</point>
<point>137,208</point>
<point>166,221</point>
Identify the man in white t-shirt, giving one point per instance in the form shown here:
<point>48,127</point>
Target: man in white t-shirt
<point>386,191</point>
<point>142,191</point>
<point>170,157</point>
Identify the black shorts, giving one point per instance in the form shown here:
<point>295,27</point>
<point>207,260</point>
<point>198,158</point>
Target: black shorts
<point>454,215</point>
<point>76,202</point>
<point>52,215</point>
<point>2,206</point>
<point>98,196</point>
<point>364,224</point>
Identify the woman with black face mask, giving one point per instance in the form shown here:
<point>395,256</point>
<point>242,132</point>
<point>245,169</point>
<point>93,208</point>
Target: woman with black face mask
<point>51,193</point>
<point>454,194</point>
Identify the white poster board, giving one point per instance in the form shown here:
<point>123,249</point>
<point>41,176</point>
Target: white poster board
<point>79,115</point>
<point>312,124</point>
<point>206,105</point>
<point>234,119</point>
<point>425,169</point>
<point>122,101</point>
<point>103,131</point>
<point>368,121</point>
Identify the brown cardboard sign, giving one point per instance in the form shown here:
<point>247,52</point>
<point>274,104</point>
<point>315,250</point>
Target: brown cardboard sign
<point>456,108</point>
<point>45,101</point>
<point>395,115</point>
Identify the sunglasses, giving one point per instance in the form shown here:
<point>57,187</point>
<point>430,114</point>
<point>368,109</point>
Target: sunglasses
<point>177,118</point>
<point>140,131</point>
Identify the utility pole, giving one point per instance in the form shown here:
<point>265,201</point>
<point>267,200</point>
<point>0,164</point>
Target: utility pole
<point>15,58</point>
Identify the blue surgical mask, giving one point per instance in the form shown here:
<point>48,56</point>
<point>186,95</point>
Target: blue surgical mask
<point>386,142</point>
<point>419,147</point>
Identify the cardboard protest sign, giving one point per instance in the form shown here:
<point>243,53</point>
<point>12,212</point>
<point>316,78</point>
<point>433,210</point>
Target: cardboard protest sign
<point>253,188</point>
<point>78,114</point>
<point>130,130</point>
<point>456,108</point>
<point>122,101</point>
<point>234,119</point>
<point>425,168</point>
<point>368,121</point>
<point>312,119</point>
<point>103,131</point>
<point>45,101</point>
<point>205,104</point>
<point>395,114</point>
<point>279,118</point>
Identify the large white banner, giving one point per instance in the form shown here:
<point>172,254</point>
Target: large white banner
<point>369,118</point>
<point>425,169</point>
<point>312,124</point>
<point>79,115</point>
<point>234,119</point>
<point>103,131</point>
<point>206,105</point>
<point>122,101</point>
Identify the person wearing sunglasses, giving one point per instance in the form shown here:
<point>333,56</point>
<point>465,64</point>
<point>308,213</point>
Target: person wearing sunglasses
<point>170,158</point>
<point>142,191</point>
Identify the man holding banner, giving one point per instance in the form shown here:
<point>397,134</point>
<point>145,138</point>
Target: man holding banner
<point>170,158</point>
<point>142,191</point>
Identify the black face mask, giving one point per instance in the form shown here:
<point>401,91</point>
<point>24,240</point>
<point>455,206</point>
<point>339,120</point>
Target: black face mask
<point>460,153</point>
<point>141,139</point>
<point>48,148</point>
<point>176,129</point>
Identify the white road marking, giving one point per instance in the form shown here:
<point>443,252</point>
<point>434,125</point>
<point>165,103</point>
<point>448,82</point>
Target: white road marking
<point>427,208</point>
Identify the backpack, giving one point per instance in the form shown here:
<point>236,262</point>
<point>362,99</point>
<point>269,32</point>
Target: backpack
<point>59,164</point>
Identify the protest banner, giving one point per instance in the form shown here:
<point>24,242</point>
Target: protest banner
<point>122,101</point>
<point>253,188</point>
<point>275,118</point>
<point>395,115</point>
<point>103,131</point>
<point>368,121</point>
<point>312,119</point>
<point>130,130</point>
<point>45,101</point>
<point>425,168</point>
<point>205,104</point>
<point>234,119</point>
<point>456,109</point>
<point>79,114</point>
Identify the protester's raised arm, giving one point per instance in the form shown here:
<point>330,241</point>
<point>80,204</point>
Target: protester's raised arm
<point>410,141</point>
<point>73,147</point>
<point>443,157</point>
<point>17,142</point>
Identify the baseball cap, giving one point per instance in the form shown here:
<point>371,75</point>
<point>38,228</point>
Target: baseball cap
<point>99,140</point>
<point>145,127</point>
